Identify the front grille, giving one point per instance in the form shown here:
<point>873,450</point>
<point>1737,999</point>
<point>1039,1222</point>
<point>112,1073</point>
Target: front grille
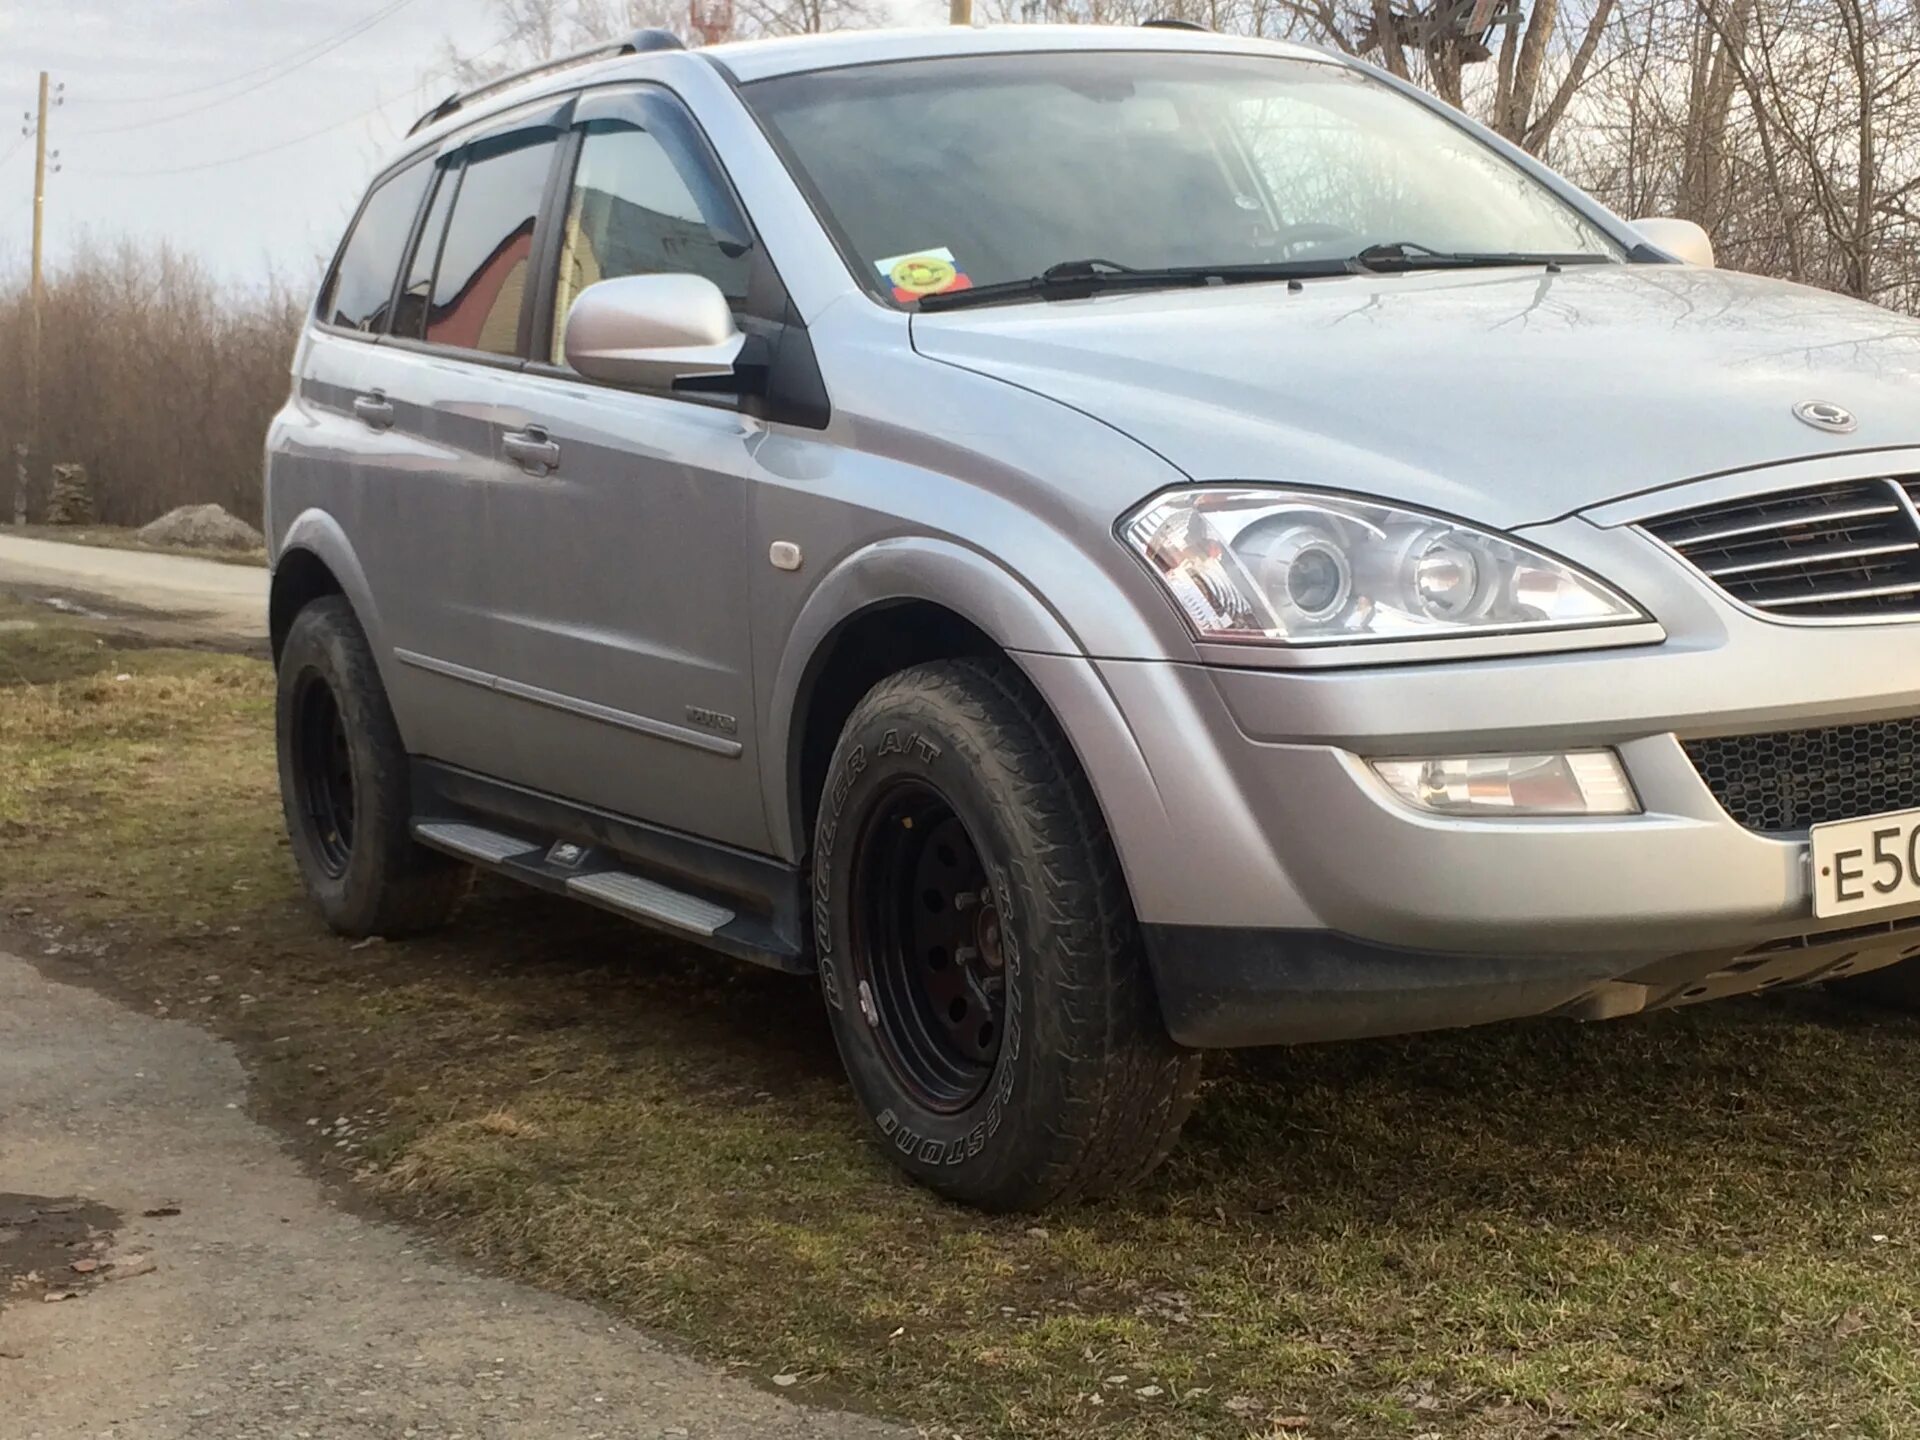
<point>1839,551</point>
<point>1792,779</point>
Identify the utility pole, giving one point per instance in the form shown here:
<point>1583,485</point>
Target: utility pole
<point>35,304</point>
<point>960,12</point>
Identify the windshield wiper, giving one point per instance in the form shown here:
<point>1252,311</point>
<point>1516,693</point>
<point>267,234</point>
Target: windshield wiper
<point>1077,279</point>
<point>1400,255</point>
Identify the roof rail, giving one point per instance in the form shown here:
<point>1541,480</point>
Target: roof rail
<point>1167,22</point>
<point>638,43</point>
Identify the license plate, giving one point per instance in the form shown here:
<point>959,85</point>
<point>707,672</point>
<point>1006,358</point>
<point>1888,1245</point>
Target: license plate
<point>1868,864</point>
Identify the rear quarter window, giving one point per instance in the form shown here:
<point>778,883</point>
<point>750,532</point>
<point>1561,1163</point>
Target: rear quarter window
<point>359,292</point>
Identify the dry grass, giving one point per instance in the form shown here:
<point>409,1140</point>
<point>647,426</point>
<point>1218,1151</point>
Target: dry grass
<point>1699,1224</point>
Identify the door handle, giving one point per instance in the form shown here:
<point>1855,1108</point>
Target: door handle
<point>533,448</point>
<point>374,409</point>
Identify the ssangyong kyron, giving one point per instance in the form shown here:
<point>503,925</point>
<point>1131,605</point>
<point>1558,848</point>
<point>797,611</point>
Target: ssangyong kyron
<point>1099,543</point>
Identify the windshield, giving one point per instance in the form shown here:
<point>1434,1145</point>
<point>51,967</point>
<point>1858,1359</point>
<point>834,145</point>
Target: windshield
<point>937,175</point>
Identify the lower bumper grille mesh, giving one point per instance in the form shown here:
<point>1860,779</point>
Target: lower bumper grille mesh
<point>1791,779</point>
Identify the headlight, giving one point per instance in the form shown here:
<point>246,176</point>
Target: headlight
<point>1258,563</point>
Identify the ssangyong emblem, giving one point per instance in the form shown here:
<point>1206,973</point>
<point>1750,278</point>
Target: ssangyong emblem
<point>1824,415</point>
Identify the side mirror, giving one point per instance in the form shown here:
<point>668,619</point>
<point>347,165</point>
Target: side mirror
<point>652,330</point>
<point>1681,239</point>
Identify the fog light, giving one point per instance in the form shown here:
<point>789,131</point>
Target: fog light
<point>1581,782</point>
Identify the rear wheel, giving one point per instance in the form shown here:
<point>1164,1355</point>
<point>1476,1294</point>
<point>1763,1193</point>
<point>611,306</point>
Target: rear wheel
<point>978,952</point>
<point>344,785</point>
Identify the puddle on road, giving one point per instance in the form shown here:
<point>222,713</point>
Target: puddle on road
<point>69,607</point>
<point>44,1237</point>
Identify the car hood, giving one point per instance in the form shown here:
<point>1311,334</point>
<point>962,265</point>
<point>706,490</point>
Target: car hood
<point>1508,396</point>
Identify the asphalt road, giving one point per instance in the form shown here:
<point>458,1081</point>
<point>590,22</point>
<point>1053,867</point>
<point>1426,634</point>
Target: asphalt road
<point>206,596</point>
<point>260,1311</point>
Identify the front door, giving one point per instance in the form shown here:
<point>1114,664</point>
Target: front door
<point>621,581</point>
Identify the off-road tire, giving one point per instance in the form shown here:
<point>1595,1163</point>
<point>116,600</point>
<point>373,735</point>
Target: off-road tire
<point>1087,1092</point>
<point>386,883</point>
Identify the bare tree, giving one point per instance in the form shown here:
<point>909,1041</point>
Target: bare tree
<point>157,379</point>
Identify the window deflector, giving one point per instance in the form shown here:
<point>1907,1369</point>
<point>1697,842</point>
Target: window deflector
<point>668,122</point>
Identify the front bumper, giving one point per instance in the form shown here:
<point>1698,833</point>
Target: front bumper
<point>1224,988</point>
<point>1268,860</point>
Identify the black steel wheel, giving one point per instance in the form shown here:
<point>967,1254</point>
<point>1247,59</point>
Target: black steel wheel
<point>927,947</point>
<point>323,772</point>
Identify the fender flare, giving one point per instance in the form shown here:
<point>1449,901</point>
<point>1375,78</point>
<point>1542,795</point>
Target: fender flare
<point>974,586</point>
<point>321,536</point>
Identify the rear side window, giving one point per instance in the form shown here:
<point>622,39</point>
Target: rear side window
<point>632,212</point>
<point>410,316</point>
<point>481,280</point>
<point>360,289</point>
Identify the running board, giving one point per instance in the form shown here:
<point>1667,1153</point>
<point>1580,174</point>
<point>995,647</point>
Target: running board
<point>600,875</point>
<point>631,895</point>
<point>471,842</point>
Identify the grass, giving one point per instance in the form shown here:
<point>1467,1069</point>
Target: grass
<point>127,537</point>
<point>1705,1223</point>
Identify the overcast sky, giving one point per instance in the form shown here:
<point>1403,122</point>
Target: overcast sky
<point>167,102</point>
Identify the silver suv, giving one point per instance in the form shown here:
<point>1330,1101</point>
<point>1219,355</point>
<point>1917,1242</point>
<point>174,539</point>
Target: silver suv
<point>1099,543</point>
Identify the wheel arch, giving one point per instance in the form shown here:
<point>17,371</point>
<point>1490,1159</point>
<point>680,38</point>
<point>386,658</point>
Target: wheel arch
<point>315,558</point>
<point>893,604</point>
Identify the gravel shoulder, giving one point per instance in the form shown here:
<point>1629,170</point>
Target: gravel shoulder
<point>260,1308</point>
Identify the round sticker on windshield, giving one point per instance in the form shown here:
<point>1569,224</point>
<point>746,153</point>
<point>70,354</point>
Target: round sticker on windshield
<point>925,272</point>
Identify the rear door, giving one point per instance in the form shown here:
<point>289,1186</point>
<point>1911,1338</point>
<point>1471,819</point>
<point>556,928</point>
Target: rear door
<point>403,478</point>
<point>622,544</point>
<point>446,376</point>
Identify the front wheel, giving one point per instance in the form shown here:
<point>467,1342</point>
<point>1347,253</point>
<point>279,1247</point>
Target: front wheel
<point>978,952</point>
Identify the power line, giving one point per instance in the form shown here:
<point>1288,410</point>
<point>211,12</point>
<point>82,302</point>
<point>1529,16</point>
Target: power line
<point>245,154</point>
<point>14,150</point>
<point>255,154</point>
<point>221,84</point>
<point>278,74</point>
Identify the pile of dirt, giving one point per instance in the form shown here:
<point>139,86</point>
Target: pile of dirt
<point>204,526</point>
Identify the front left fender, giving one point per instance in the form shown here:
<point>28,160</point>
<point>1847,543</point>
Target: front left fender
<point>973,586</point>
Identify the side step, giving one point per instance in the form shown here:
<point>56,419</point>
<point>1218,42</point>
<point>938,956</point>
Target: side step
<point>643,898</point>
<point>471,842</point>
<point>600,877</point>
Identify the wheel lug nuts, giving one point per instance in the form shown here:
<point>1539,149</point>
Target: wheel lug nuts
<point>966,954</point>
<point>965,900</point>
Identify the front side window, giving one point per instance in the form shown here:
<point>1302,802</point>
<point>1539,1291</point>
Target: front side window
<point>632,212</point>
<point>481,279</point>
<point>359,290</point>
<point>945,173</point>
